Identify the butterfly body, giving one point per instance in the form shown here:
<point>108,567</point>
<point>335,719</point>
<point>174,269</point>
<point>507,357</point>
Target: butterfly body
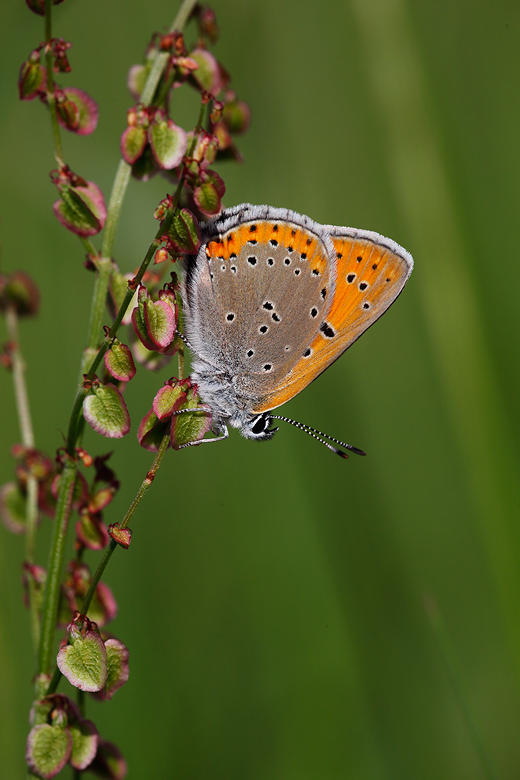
<point>271,299</point>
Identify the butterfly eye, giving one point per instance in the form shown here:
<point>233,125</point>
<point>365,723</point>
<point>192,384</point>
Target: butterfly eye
<point>259,426</point>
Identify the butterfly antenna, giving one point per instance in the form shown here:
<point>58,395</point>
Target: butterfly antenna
<point>319,436</point>
<point>183,338</point>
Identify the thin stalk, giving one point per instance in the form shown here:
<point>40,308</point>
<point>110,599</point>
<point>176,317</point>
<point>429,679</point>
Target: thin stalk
<point>20,389</point>
<point>147,481</point>
<point>115,204</point>
<point>98,306</point>
<point>122,179</point>
<point>52,588</point>
<point>82,393</point>
<point>162,57</point>
<point>145,484</point>
<point>89,247</point>
<point>51,100</point>
<point>69,474</point>
<point>75,417</point>
<point>26,430</point>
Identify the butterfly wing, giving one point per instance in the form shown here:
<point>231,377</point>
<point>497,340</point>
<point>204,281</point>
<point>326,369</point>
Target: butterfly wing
<point>371,272</point>
<point>254,295</point>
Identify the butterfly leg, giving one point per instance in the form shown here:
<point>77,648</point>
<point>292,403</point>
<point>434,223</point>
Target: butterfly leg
<point>219,428</point>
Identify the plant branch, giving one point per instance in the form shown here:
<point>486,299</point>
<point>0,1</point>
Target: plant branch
<point>147,481</point>
<point>145,484</point>
<point>162,57</point>
<point>20,389</point>
<point>68,476</point>
<point>51,99</point>
<point>26,429</point>
<point>119,188</point>
<point>52,588</point>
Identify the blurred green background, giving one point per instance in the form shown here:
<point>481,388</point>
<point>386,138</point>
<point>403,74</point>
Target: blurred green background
<point>273,598</point>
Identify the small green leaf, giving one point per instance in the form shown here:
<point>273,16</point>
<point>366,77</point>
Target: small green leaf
<point>136,79</point>
<point>153,360</point>
<point>86,109</point>
<point>151,431</point>
<point>91,531</point>
<point>185,231</point>
<point>133,142</point>
<point>106,412</point>
<point>84,662</point>
<point>85,740</point>
<point>32,77</point>
<point>82,209</point>
<point>208,72</point>
<point>189,426</point>
<point>12,507</point>
<point>118,287</point>
<point>168,142</point>
<point>109,762</point>
<point>207,199</point>
<point>48,749</point>
<point>237,116</point>
<point>123,536</point>
<point>172,396</point>
<point>103,607</point>
<point>120,363</point>
<point>167,400</point>
<point>160,322</point>
<point>19,291</point>
<point>117,667</point>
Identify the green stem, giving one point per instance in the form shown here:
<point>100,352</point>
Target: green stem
<point>183,15</point>
<point>72,437</point>
<point>31,515</point>
<point>98,307</point>
<point>147,481</point>
<point>145,484</point>
<point>20,389</point>
<point>69,474</point>
<point>115,204</point>
<point>162,57</point>
<point>26,429</point>
<point>89,247</point>
<point>52,589</point>
<point>75,417</point>
<point>119,188</point>
<point>51,100</point>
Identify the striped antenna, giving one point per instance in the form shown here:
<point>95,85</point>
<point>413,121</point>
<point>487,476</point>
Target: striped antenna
<point>319,436</point>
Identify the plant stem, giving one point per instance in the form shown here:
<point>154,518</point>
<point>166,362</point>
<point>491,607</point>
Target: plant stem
<point>98,307</point>
<point>51,99</point>
<point>99,298</point>
<point>52,589</point>
<point>115,205</point>
<point>26,429</point>
<point>20,389</point>
<point>162,57</point>
<point>145,484</point>
<point>121,181</point>
<point>72,438</point>
<point>90,249</point>
<point>183,14</point>
<point>147,481</point>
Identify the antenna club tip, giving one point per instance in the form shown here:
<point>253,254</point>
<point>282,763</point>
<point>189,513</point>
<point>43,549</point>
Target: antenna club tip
<point>357,451</point>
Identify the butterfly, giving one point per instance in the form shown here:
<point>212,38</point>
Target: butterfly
<point>272,299</point>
